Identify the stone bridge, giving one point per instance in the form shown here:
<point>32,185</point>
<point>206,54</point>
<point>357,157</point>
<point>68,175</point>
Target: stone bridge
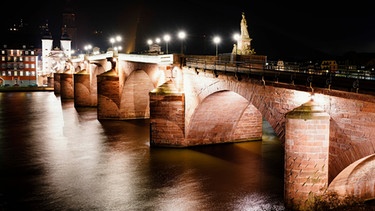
<point>328,134</point>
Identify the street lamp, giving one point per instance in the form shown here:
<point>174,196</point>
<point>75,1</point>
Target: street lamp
<point>118,48</point>
<point>112,40</point>
<point>182,36</point>
<point>115,39</point>
<point>236,37</point>
<point>88,48</point>
<point>167,38</point>
<point>217,41</point>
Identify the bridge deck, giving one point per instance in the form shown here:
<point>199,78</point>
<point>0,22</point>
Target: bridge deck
<point>335,81</point>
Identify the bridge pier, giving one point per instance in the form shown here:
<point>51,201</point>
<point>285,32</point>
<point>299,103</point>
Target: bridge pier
<point>108,95</point>
<point>66,86</point>
<point>167,114</point>
<point>306,155</point>
<point>56,83</point>
<point>50,81</point>
<point>82,89</point>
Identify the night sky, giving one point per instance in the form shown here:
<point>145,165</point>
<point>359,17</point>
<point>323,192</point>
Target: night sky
<point>279,29</point>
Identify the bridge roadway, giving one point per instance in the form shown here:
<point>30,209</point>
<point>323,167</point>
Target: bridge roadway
<point>314,79</point>
<point>329,141</point>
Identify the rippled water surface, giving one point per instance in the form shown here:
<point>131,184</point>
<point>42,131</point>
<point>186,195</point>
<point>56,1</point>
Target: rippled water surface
<point>54,156</point>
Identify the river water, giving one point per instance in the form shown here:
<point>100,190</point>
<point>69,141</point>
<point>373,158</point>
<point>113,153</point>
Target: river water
<point>54,156</point>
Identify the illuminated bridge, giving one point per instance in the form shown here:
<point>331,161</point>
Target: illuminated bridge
<point>325,123</point>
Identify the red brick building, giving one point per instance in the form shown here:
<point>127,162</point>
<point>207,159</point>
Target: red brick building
<point>18,67</point>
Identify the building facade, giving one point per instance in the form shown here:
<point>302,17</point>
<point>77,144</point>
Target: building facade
<point>18,67</point>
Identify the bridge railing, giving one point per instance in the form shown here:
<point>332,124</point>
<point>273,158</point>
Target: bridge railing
<point>232,66</point>
<point>258,69</point>
<point>157,59</point>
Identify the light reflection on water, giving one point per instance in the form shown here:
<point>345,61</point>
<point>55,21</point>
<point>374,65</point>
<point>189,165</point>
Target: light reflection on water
<point>58,157</point>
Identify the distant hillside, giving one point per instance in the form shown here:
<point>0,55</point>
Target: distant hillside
<point>367,59</point>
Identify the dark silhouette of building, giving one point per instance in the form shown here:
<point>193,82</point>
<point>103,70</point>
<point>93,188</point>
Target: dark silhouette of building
<point>69,26</point>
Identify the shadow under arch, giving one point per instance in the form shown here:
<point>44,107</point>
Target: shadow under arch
<point>224,117</point>
<point>135,102</point>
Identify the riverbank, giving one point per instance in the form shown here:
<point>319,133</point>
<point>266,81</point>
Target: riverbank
<point>25,89</point>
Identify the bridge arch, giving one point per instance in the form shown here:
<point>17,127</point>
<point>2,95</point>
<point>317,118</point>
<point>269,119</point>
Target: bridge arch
<point>155,73</point>
<point>272,103</point>
<point>134,99</point>
<point>123,91</point>
<point>352,115</point>
<point>357,179</point>
<point>224,116</point>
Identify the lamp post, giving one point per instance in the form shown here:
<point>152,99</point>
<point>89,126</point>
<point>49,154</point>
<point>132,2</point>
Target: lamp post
<point>112,40</point>
<point>149,43</point>
<point>236,37</point>
<point>217,41</point>
<point>181,36</point>
<point>167,38</point>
